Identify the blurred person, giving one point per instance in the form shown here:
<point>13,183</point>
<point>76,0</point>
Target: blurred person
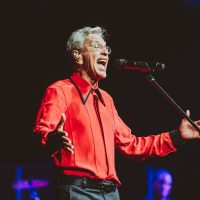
<point>161,185</point>
<point>79,125</point>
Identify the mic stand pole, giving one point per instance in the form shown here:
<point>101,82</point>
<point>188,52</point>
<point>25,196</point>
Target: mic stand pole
<point>151,79</point>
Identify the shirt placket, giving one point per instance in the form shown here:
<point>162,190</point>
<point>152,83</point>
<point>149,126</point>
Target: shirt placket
<point>96,106</point>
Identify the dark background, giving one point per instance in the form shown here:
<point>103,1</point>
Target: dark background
<point>33,38</point>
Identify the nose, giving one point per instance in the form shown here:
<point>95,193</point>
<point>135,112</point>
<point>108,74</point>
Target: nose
<point>105,51</point>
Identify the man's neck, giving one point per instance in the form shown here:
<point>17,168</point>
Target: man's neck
<point>86,77</point>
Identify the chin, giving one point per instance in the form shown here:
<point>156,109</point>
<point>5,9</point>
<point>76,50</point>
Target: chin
<point>102,76</point>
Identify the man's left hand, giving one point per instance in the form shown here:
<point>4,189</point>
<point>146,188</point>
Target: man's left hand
<point>187,131</point>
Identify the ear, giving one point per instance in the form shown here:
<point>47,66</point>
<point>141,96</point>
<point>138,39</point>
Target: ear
<point>77,57</point>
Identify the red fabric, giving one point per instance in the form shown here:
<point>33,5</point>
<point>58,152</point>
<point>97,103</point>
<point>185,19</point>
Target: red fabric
<point>94,135</point>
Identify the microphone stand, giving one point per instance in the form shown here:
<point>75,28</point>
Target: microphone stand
<point>152,80</point>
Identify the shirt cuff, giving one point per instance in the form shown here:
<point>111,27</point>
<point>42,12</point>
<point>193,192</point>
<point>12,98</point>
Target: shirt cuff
<point>176,138</point>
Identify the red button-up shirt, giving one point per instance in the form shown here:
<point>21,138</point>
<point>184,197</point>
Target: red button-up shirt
<point>95,129</point>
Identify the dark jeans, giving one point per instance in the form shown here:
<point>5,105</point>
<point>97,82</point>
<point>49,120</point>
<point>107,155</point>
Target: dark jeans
<point>73,192</point>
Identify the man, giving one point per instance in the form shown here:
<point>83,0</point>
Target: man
<point>78,122</point>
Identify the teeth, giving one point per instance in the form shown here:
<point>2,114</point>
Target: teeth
<point>101,61</point>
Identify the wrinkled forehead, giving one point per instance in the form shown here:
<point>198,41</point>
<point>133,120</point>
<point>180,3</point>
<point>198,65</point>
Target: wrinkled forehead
<point>94,38</point>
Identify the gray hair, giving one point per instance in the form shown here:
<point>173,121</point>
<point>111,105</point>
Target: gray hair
<point>77,38</point>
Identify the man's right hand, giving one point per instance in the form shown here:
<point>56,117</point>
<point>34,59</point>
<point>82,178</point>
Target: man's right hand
<point>59,137</point>
<point>66,143</point>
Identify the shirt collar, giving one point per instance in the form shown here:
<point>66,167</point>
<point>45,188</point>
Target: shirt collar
<point>84,88</point>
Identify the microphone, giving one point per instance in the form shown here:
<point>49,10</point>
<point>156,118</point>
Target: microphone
<point>141,66</point>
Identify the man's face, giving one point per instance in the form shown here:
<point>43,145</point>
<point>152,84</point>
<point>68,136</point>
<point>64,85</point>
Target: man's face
<point>95,57</point>
<point>163,185</point>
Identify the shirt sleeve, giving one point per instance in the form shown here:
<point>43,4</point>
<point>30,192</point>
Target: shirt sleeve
<point>140,147</point>
<point>49,114</point>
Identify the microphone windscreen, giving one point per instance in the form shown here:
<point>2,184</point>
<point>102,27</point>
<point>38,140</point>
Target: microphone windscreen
<point>120,64</point>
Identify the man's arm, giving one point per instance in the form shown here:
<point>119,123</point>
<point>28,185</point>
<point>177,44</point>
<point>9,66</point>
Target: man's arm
<point>152,145</point>
<point>51,119</point>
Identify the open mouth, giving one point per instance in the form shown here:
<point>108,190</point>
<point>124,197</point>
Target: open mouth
<point>102,62</point>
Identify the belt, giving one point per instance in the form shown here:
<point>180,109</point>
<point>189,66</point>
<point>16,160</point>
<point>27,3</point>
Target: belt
<point>104,186</point>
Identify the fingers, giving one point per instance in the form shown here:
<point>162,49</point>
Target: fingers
<point>70,150</point>
<point>62,122</point>
<point>188,113</point>
<point>67,144</point>
<point>68,147</point>
<point>196,133</point>
<point>197,122</point>
<point>188,131</point>
<point>65,141</point>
